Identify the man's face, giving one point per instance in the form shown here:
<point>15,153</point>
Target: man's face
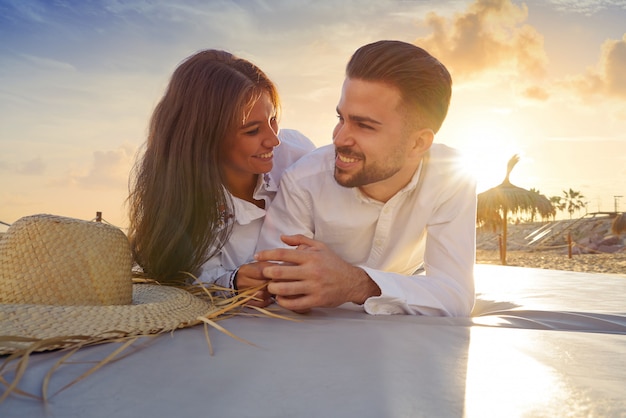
<point>370,138</point>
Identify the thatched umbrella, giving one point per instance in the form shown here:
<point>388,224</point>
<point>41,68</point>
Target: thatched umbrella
<point>619,224</point>
<point>495,204</point>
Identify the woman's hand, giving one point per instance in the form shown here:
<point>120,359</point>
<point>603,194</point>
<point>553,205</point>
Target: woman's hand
<point>251,275</point>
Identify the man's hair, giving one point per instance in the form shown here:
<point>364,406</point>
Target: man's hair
<point>424,83</point>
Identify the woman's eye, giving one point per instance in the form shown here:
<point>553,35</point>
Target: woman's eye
<point>253,132</point>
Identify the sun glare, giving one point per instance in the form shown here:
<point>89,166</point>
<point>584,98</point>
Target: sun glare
<point>502,379</point>
<point>485,156</point>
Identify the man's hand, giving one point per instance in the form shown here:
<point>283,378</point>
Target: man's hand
<point>251,275</point>
<point>313,276</point>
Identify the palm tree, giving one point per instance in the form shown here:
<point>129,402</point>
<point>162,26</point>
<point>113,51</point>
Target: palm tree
<point>573,201</point>
<point>619,224</point>
<point>557,204</point>
<point>495,204</point>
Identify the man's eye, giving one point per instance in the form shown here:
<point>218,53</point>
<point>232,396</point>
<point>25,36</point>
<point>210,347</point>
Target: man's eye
<point>340,118</point>
<point>364,126</point>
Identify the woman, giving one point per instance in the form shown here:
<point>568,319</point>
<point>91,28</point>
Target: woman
<point>211,166</point>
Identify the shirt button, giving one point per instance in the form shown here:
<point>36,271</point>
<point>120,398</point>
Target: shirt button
<point>378,243</point>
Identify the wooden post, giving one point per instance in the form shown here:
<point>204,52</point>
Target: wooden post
<point>569,245</point>
<point>98,216</point>
<point>501,249</point>
<point>505,224</point>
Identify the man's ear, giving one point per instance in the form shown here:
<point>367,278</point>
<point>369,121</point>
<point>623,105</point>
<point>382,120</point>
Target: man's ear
<point>422,140</point>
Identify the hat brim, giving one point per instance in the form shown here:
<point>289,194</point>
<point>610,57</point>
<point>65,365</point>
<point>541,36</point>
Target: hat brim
<point>155,309</point>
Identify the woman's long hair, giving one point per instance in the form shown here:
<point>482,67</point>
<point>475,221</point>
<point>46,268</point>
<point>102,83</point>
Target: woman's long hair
<point>177,204</point>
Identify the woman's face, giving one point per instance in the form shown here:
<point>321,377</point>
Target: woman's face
<point>250,149</point>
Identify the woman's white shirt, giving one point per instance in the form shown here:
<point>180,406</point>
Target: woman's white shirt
<point>247,218</point>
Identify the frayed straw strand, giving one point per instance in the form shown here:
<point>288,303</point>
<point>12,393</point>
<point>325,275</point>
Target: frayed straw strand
<point>111,357</point>
<point>228,303</point>
<point>224,330</point>
<point>18,391</point>
<point>267,312</point>
<point>71,344</point>
<point>208,339</point>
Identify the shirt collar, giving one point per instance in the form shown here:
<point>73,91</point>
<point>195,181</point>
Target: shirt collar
<point>246,212</point>
<point>265,183</point>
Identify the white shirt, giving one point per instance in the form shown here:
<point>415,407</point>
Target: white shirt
<point>248,218</point>
<point>429,224</point>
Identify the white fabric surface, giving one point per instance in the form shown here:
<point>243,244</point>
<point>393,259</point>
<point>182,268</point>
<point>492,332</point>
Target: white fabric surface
<point>344,363</point>
<point>430,223</point>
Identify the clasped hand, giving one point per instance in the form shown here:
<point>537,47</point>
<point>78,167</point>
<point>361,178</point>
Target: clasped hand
<point>311,275</point>
<point>251,275</point>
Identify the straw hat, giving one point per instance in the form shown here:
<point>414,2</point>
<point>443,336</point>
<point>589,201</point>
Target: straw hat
<point>62,277</point>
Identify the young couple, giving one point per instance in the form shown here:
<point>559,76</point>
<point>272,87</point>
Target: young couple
<point>383,217</point>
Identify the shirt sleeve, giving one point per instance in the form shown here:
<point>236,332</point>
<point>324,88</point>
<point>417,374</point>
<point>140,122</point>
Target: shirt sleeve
<point>214,272</point>
<point>446,286</point>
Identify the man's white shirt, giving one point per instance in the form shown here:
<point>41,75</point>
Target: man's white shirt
<point>419,246</point>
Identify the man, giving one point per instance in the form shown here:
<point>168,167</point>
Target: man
<point>383,217</point>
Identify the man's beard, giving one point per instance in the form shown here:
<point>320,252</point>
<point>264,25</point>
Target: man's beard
<point>367,175</point>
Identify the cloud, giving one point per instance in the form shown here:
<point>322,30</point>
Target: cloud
<point>586,7</point>
<point>34,167</point>
<point>27,10</point>
<point>536,92</point>
<point>614,63</point>
<point>48,64</point>
<point>489,36</point>
<point>608,77</point>
<point>108,170</point>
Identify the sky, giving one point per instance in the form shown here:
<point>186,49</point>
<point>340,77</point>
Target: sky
<point>79,79</point>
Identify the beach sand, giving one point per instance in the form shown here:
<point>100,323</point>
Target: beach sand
<point>555,260</point>
<point>551,251</point>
